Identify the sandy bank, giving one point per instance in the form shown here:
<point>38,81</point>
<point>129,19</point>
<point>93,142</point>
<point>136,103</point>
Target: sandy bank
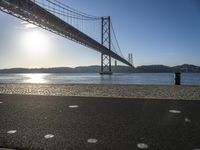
<point>98,90</point>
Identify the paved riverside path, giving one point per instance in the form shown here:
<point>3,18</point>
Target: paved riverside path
<point>82,123</point>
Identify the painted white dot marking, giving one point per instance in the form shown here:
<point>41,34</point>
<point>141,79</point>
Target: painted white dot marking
<point>175,111</point>
<point>12,131</point>
<point>73,106</point>
<point>48,136</point>
<point>1,102</point>
<point>187,120</point>
<point>142,146</point>
<point>92,141</point>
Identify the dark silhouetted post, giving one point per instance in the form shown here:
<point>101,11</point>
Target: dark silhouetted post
<point>177,78</point>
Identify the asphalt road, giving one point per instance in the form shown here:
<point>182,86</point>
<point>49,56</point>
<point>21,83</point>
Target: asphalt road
<point>42,122</point>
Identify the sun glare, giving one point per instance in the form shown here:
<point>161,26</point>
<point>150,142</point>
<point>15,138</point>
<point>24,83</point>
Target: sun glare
<point>36,78</point>
<point>35,42</point>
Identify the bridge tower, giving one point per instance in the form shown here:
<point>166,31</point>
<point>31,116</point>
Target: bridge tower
<point>106,41</point>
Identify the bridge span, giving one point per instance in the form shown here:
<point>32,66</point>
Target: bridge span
<point>32,12</point>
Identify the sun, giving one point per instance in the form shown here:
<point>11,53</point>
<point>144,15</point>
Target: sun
<point>35,42</point>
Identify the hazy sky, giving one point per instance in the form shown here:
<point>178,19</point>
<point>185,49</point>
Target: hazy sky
<point>155,31</point>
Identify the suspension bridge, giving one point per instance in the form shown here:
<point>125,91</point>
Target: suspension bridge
<point>91,31</point>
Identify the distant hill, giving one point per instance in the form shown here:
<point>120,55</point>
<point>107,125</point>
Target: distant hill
<point>115,69</point>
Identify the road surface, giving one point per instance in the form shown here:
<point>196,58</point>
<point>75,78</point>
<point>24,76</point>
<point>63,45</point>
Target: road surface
<point>83,123</point>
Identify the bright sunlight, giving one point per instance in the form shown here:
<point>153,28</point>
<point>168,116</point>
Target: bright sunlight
<point>35,42</point>
<point>35,78</point>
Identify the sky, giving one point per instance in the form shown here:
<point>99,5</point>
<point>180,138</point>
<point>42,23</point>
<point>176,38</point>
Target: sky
<point>163,32</point>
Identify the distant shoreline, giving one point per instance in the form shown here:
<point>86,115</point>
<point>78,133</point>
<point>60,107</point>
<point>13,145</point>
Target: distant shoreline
<point>115,69</point>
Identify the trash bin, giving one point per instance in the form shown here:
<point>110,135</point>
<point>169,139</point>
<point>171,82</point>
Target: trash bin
<point>177,78</point>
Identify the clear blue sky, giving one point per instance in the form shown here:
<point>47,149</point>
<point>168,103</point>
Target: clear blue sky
<point>156,32</point>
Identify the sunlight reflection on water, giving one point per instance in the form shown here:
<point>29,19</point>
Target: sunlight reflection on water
<point>95,78</point>
<point>35,78</point>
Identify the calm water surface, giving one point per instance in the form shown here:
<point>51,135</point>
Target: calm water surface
<point>92,78</point>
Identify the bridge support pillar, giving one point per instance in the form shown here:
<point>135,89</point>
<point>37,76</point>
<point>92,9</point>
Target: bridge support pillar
<point>106,41</point>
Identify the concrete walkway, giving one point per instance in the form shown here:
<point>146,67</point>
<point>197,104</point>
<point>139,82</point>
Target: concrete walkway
<point>105,90</point>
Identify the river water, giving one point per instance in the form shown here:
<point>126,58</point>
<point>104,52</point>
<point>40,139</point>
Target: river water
<point>94,78</point>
